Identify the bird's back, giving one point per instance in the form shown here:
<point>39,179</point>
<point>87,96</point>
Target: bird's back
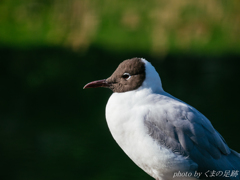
<point>183,129</point>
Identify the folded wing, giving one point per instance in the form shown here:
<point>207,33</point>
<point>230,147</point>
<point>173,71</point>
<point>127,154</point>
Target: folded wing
<point>182,129</point>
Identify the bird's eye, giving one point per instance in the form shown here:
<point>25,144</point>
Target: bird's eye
<point>126,76</point>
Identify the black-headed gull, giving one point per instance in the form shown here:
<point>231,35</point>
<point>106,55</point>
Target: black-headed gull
<point>163,135</point>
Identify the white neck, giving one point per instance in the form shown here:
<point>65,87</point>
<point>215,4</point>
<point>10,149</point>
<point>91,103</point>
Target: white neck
<point>152,80</point>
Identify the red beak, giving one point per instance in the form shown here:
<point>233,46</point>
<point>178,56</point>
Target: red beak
<point>95,84</point>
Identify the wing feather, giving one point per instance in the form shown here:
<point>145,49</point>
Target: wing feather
<point>187,132</point>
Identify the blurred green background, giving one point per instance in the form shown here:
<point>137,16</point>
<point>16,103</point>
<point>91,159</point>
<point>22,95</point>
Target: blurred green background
<point>53,129</point>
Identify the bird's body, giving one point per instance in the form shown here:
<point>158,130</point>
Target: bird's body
<point>126,121</point>
<point>161,134</point>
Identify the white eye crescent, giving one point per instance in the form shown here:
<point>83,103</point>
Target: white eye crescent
<point>126,76</point>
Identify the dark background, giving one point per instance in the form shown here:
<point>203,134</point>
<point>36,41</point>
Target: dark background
<point>50,128</point>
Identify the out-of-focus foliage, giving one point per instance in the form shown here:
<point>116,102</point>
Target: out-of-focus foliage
<point>155,26</point>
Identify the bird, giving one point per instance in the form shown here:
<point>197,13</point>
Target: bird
<point>163,135</point>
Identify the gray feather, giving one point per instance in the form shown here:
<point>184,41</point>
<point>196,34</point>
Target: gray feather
<point>187,132</point>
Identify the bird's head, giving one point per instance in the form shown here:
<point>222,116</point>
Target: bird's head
<point>130,75</point>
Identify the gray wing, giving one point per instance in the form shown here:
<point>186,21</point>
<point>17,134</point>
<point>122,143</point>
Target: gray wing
<point>187,132</point>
